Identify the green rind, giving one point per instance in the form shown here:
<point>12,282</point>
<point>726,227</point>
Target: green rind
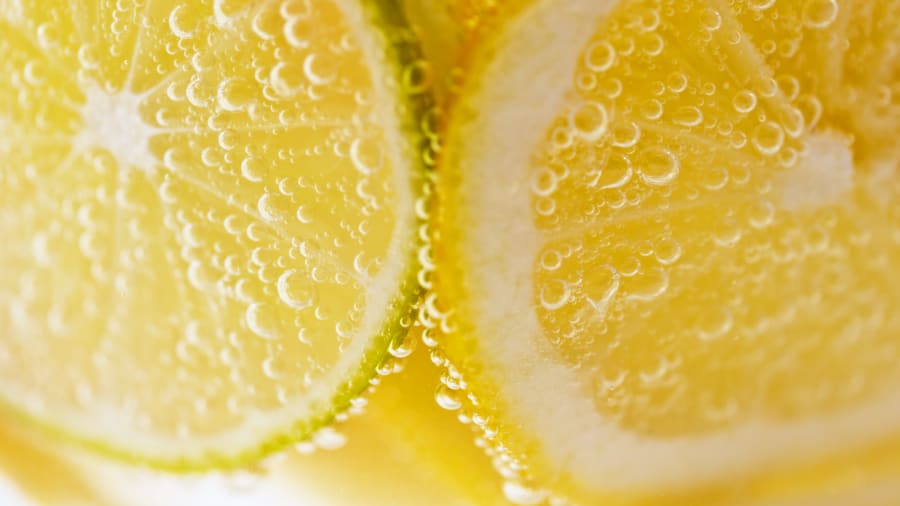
<point>389,17</point>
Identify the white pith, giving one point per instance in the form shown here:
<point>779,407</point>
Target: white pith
<point>113,122</point>
<point>517,97</point>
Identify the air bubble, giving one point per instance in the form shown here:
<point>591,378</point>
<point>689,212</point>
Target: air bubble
<point>626,134</point>
<point>320,71</point>
<point>760,5</point>
<point>715,324</point>
<point>658,166</point>
<point>88,56</point>
<point>448,398</point>
<point>590,121</point>
<point>600,56</point>
<point>295,9</point>
<point>768,138</point>
<point>688,116</point>
<point>199,276</point>
<point>297,32</point>
<point>544,182</point>
<point>181,23</point>
<point>600,287</point>
<point>329,439</point>
<point>402,348</point>
<point>554,294</point>
<point>271,208</point>
<point>711,19</point>
<point>616,173</point>
<point>296,290</point>
<point>523,495</point>
<point>652,109</point>
<point>47,36</point>
<point>653,44</point>
<point>811,108</point>
<point>727,233</point>
<point>253,169</point>
<point>262,320</point>
<point>819,14</point>
<point>234,94</point>
<point>270,368</point>
<point>667,250</point>
<point>677,82</point>
<point>648,285</point>
<point>266,23</point>
<point>287,78</point>
<point>744,101</point>
<point>367,155</point>
<point>715,178</point>
<point>551,260</point>
<point>226,11</point>
<point>761,214</point>
<point>417,77</point>
<point>243,481</point>
<point>792,121</point>
<point>34,73</point>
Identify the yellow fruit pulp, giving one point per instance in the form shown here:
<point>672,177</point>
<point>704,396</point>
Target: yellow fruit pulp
<point>208,213</point>
<point>668,242</point>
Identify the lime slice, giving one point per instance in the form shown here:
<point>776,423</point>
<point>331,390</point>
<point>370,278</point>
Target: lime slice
<point>210,217</point>
<point>667,240</point>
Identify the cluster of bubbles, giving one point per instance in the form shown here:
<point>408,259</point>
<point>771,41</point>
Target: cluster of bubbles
<point>454,395</point>
<point>434,323</point>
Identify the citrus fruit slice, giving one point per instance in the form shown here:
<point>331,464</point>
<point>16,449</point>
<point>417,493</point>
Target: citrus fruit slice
<point>668,236</point>
<point>401,428</point>
<point>210,217</point>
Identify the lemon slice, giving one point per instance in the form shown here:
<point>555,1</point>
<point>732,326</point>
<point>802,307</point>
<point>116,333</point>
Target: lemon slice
<point>209,213</point>
<point>668,239</point>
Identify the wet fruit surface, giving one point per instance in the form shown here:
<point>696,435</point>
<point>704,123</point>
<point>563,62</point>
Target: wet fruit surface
<point>201,200</point>
<point>685,230</point>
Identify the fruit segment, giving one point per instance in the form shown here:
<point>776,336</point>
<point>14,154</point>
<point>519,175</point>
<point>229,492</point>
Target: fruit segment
<point>209,214</point>
<point>666,240</point>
